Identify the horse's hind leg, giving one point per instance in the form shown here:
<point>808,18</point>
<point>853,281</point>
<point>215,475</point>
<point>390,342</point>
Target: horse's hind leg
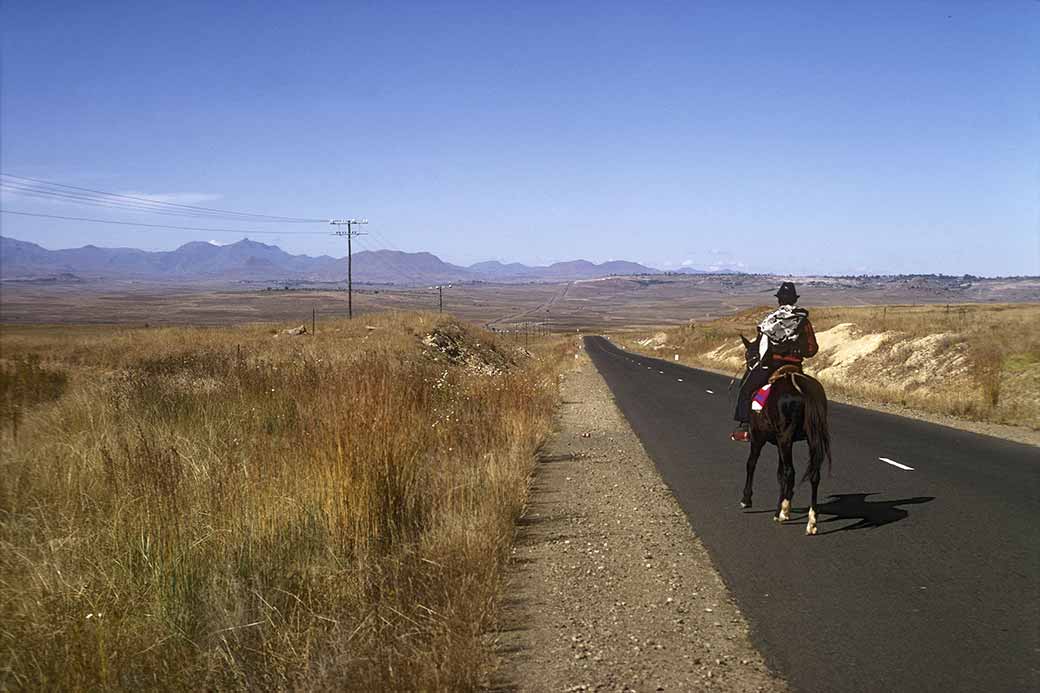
<point>785,479</point>
<point>814,479</point>
<point>752,461</point>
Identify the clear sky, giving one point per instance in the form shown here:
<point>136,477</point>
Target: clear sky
<point>775,136</point>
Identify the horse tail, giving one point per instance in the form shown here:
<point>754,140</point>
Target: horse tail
<point>817,433</point>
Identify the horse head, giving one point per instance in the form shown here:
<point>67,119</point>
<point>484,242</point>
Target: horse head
<point>751,355</point>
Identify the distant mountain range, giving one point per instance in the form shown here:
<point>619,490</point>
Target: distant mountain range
<point>248,260</point>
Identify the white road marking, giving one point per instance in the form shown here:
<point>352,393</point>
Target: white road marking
<point>710,392</point>
<point>680,380</point>
<point>896,464</point>
<point>661,372</point>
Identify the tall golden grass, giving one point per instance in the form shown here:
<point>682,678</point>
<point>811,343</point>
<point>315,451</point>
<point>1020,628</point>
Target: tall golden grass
<point>986,364</point>
<point>213,509</point>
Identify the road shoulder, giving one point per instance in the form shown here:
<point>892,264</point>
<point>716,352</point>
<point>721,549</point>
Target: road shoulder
<point>608,588</point>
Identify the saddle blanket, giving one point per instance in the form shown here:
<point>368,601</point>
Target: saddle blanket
<point>758,401</point>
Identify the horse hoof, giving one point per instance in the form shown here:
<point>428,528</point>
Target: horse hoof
<point>745,504</point>
<point>776,518</point>
<point>810,527</point>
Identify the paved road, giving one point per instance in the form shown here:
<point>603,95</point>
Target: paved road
<point>922,580</point>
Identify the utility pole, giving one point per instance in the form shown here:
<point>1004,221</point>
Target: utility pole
<point>349,233</point>
<point>440,295</point>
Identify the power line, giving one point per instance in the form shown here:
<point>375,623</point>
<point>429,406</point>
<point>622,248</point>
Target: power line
<point>44,185</point>
<point>390,246</point>
<point>50,190</point>
<point>164,226</point>
<point>98,201</point>
<point>408,277</point>
<point>385,242</point>
<point>387,265</point>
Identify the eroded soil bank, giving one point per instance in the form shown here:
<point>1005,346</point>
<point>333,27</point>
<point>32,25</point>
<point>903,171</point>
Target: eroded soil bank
<point>608,588</point>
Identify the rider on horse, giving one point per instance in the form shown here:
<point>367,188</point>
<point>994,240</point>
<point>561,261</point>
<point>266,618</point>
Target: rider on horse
<point>785,338</point>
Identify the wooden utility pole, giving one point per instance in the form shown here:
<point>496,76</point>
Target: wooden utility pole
<point>349,233</point>
<point>440,295</point>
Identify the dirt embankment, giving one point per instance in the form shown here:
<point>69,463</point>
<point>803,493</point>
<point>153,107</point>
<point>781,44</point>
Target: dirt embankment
<point>609,589</point>
<point>973,367</point>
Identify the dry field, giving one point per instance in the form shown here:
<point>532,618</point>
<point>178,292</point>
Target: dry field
<point>978,362</point>
<point>223,509</point>
<point>603,304</point>
<point>201,304</point>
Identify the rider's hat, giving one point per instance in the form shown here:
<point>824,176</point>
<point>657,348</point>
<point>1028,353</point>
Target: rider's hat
<point>787,292</point>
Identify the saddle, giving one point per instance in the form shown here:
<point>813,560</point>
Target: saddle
<point>784,371</point>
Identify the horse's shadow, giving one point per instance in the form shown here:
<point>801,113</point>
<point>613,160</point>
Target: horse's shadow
<point>855,506</point>
<point>868,514</point>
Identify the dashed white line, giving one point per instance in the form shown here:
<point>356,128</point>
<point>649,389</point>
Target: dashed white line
<point>710,392</point>
<point>680,380</point>
<point>896,464</point>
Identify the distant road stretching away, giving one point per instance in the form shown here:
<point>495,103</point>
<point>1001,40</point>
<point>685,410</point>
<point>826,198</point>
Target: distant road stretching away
<point>926,573</point>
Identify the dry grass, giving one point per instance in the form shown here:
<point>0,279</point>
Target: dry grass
<point>221,509</point>
<point>978,362</point>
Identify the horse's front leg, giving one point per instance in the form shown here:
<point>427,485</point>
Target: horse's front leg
<point>785,479</point>
<point>757,441</point>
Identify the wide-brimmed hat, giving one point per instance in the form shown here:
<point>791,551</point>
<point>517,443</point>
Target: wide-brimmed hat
<point>787,290</point>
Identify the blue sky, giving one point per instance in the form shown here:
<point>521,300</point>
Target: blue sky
<point>775,136</point>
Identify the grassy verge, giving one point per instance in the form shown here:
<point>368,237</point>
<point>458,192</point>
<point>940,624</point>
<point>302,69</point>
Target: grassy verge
<point>225,509</point>
<point>972,361</point>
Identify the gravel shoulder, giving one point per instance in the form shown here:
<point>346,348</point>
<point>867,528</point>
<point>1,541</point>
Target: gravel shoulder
<point>608,588</point>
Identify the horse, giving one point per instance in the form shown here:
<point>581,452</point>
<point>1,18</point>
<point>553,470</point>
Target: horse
<point>795,410</point>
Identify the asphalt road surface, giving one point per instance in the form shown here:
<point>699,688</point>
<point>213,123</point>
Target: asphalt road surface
<point>921,579</point>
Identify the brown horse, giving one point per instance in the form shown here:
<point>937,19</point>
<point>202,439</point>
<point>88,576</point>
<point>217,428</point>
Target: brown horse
<point>796,410</point>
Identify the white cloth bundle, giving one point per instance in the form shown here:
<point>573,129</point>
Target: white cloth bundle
<point>782,325</point>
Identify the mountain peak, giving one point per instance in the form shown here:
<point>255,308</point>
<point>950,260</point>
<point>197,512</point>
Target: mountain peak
<point>249,243</point>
